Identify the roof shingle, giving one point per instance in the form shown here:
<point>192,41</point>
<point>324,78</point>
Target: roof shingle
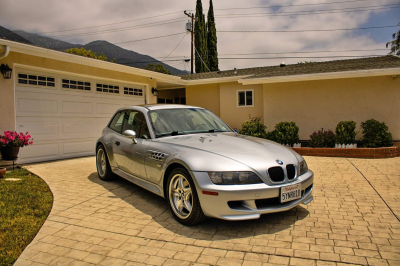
<point>381,62</point>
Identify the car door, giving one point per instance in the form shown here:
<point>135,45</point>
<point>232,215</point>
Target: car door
<point>129,156</point>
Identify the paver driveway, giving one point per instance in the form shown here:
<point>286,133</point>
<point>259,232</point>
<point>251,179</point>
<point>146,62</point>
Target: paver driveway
<point>118,223</point>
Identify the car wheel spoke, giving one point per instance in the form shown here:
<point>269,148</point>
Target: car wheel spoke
<point>180,195</point>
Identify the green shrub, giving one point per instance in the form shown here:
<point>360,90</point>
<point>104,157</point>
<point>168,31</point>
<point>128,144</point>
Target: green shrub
<point>271,135</point>
<point>286,133</point>
<point>254,127</point>
<point>346,132</point>
<point>322,138</point>
<point>375,134</point>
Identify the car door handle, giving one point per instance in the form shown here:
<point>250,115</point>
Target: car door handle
<point>117,143</point>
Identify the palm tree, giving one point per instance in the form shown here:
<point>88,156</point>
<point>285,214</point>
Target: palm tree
<point>395,44</point>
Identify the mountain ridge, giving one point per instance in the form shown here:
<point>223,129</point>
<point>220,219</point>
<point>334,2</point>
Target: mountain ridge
<point>111,51</point>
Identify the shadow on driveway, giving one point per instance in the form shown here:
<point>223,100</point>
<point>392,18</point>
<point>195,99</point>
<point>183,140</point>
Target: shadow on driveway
<point>212,229</point>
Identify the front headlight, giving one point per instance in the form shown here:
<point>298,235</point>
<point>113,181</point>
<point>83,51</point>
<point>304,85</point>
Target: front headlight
<point>303,168</point>
<point>234,178</point>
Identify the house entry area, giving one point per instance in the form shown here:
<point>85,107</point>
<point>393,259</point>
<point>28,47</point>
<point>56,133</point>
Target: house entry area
<point>171,96</point>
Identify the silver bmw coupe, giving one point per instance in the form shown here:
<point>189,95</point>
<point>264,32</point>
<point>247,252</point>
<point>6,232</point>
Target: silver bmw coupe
<point>200,165</point>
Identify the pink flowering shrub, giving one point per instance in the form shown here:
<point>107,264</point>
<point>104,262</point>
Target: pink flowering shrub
<point>15,139</point>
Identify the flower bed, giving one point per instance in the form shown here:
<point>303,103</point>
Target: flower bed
<point>371,153</point>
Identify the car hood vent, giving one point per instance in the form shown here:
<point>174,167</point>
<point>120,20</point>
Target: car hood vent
<point>156,155</point>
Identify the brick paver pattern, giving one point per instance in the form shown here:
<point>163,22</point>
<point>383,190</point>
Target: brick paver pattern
<point>117,223</point>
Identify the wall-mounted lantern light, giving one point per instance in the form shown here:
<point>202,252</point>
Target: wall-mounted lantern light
<point>6,71</point>
<point>154,91</point>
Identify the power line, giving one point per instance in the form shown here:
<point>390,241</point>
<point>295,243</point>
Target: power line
<point>258,7</point>
<point>174,48</point>
<point>159,23</point>
<point>292,57</point>
<point>126,21</point>
<point>283,31</point>
<point>295,52</point>
<point>152,38</point>
<point>305,11</point>
<point>300,14</point>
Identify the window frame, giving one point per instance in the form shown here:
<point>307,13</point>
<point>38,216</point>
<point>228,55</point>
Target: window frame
<point>245,91</point>
<point>28,73</point>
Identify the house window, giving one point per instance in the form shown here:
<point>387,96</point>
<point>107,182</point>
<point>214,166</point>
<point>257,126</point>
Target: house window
<point>107,88</point>
<point>133,91</point>
<point>36,80</point>
<point>245,98</point>
<point>76,85</point>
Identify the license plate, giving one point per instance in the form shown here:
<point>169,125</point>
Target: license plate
<point>290,193</point>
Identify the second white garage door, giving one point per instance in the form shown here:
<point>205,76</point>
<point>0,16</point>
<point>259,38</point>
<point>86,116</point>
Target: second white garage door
<point>64,114</point>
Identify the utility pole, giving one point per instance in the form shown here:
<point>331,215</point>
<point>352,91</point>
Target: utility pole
<point>191,15</point>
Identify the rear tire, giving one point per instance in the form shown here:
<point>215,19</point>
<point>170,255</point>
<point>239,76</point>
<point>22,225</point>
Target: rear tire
<point>102,164</point>
<point>182,198</point>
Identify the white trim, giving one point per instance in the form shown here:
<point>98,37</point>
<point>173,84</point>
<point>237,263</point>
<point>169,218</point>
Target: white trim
<point>245,100</point>
<point>215,80</point>
<point>76,59</point>
<point>323,76</point>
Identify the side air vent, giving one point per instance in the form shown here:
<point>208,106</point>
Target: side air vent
<point>155,155</point>
<point>276,174</point>
<point>291,171</point>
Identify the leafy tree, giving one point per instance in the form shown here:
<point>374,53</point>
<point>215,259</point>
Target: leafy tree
<point>200,40</point>
<point>158,68</point>
<point>212,40</point>
<point>87,53</point>
<point>395,44</point>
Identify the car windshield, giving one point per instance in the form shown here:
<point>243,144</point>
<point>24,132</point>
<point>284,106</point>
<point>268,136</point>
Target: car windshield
<point>170,122</point>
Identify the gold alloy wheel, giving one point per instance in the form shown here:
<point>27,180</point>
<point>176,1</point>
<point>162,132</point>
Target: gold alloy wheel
<point>180,196</point>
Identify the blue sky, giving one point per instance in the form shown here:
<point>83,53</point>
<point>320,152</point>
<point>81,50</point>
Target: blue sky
<point>48,16</point>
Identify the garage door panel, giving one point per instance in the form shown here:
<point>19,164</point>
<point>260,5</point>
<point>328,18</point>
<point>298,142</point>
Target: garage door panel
<point>40,151</point>
<point>39,129</point>
<point>78,148</point>
<point>71,106</point>
<point>37,105</point>
<point>107,108</point>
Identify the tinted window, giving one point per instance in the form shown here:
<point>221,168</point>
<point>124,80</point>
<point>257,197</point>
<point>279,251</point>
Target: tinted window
<point>134,120</point>
<point>241,98</point>
<point>116,123</point>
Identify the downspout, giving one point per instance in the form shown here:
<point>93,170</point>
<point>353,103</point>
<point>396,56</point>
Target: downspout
<point>5,52</point>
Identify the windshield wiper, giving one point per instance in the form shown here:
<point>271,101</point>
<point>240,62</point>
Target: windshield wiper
<point>173,133</point>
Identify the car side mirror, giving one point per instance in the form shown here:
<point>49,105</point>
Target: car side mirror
<point>130,134</point>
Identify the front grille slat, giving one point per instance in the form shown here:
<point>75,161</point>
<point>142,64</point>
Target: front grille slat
<point>276,174</point>
<point>291,171</point>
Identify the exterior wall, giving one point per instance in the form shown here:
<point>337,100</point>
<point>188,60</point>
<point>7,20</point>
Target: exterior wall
<point>322,104</point>
<point>230,112</point>
<point>206,96</point>
<point>7,113</point>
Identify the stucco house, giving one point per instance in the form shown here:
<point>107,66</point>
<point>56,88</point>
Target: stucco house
<point>65,100</point>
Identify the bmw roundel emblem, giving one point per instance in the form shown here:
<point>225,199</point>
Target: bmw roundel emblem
<point>279,162</point>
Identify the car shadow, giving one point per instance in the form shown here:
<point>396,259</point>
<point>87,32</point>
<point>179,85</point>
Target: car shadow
<point>157,208</point>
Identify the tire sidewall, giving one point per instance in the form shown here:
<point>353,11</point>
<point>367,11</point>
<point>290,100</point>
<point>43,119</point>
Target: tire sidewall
<point>107,171</point>
<point>196,202</point>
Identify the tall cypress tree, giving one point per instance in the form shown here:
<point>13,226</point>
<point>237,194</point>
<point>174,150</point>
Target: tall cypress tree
<point>212,40</point>
<point>200,39</point>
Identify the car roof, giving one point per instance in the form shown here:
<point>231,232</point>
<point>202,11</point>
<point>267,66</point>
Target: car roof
<point>160,106</point>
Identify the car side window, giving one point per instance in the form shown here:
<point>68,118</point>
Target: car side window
<point>116,123</point>
<point>134,120</point>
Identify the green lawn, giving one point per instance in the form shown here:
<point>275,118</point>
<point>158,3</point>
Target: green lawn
<point>24,206</point>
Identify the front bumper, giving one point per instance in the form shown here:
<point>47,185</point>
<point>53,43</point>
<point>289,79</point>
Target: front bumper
<point>244,202</point>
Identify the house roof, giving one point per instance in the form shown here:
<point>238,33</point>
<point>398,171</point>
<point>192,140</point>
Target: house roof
<point>381,62</point>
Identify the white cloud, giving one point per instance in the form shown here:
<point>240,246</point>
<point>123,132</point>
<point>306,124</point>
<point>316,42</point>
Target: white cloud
<point>47,15</point>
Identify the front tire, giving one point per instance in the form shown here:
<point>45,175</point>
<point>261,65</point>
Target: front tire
<point>182,198</point>
<point>102,164</point>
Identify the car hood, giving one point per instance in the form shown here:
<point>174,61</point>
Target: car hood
<point>254,152</point>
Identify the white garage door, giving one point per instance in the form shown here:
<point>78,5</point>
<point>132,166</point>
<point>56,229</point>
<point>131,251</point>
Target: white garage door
<point>65,114</point>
